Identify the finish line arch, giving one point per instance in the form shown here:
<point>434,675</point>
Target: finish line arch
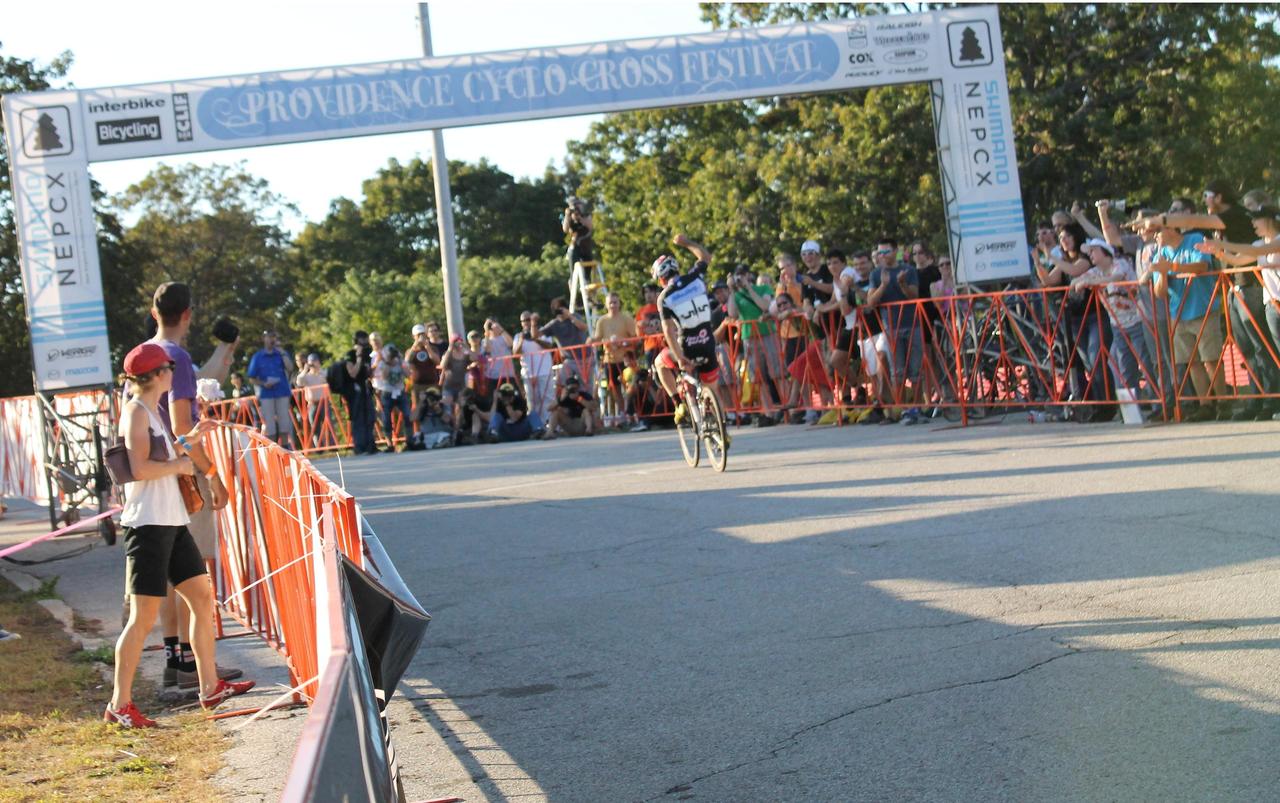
<point>52,137</point>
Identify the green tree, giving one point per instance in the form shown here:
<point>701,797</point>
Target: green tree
<point>392,237</point>
<point>219,230</point>
<point>390,303</point>
<point>1144,101</point>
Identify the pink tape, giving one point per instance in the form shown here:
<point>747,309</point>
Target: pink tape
<point>56,533</point>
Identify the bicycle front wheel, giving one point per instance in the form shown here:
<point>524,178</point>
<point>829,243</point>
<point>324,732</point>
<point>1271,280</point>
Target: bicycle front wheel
<point>690,442</point>
<point>713,428</point>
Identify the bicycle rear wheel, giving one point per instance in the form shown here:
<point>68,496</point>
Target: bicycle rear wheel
<point>713,429</point>
<point>690,442</point>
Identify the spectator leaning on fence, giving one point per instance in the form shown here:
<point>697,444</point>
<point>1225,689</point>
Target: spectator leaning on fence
<point>790,329</point>
<point>269,373</point>
<point>649,324</point>
<point>847,295</point>
<point>315,395</point>
<point>1193,307</point>
<point>1245,306</point>
<point>499,365</point>
<point>899,282</point>
<point>1265,252</point>
<point>757,335</point>
<point>616,333</point>
<point>535,359</point>
<point>1129,357</point>
<point>388,381</point>
<point>816,278</point>
<point>159,549</point>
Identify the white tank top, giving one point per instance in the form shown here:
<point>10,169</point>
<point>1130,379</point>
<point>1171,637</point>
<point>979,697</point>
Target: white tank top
<point>155,501</point>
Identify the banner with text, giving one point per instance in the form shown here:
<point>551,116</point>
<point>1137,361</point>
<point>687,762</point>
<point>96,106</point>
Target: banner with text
<point>53,213</point>
<point>960,49</point>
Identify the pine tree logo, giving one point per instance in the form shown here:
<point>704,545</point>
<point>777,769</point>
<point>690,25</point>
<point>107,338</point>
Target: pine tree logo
<point>47,138</point>
<point>970,50</point>
<point>46,131</point>
<point>970,43</point>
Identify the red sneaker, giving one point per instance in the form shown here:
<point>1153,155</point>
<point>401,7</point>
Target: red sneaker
<point>127,717</point>
<point>225,690</point>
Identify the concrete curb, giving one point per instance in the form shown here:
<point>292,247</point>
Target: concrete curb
<point>56,607</point>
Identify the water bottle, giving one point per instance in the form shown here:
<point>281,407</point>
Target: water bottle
<point>1037,417</point>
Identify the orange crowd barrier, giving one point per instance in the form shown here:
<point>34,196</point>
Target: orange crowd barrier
<point>270,535</point>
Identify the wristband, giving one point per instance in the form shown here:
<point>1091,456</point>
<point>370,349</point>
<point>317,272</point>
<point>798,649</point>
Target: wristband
<point>182,441</point>
<point>212,472</point>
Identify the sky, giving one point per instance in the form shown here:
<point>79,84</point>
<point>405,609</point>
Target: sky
<point>132,42</point>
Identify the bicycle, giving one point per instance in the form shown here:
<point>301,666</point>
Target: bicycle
<point>704,422</point>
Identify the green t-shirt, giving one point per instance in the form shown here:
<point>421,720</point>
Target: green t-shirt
<point>749,313</point>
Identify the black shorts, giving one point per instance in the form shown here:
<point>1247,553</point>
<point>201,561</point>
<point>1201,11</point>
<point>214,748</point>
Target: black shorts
<point>844,340</point>
<point>793,347</point>
<point>157,556</point>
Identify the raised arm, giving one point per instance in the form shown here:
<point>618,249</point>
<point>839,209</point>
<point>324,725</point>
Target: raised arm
<point>1077,214</point>
<point>1238,249</point>
<point>696,249</point>
<point>1110,231</point>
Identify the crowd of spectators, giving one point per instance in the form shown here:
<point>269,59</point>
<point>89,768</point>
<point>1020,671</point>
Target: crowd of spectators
<point>803,339</point>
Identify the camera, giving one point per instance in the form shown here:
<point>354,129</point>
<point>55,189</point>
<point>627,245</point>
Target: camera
<point>225,331</point>
<point>1118,204</point>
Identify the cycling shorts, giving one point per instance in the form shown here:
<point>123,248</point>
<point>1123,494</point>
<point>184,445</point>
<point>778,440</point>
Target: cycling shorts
<point>704,361</point>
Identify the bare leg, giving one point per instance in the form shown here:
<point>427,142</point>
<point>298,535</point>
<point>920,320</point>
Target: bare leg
<point>198,594</point>
<point>142,615</point>
<point>170,620</point>
<point>667,378</point>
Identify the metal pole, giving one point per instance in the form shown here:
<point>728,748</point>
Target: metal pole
<point>444,209</point>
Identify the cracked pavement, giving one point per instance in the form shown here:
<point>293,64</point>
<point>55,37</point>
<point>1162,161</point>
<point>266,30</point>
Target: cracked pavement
<point>1009,612</point>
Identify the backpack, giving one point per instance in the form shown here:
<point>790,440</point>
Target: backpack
<point>338,378</point>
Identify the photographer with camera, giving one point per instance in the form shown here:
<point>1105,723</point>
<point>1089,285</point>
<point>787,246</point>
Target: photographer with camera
<point>574,411</point>
<point>569,332</point>
<point>470,419</point>
<point>576,222</point>
<point>358,395</point>
<point>510,418</point>
<point>434,419</point>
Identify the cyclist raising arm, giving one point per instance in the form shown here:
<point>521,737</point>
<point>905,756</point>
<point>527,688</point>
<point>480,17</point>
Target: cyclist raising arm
<point>685,307</point>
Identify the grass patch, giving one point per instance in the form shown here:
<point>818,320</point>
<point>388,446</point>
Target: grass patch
<point>106,654</point>
<point>53,743</point>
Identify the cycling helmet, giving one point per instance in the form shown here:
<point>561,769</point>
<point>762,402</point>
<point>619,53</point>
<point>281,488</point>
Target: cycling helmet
<point>665,268</point>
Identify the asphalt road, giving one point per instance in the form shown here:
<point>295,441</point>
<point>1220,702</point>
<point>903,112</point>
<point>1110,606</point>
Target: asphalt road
<point>1015,612</point>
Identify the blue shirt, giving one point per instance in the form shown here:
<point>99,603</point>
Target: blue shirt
<point>902,316</point>
<point>267,364</point>
<point>1192,295</point>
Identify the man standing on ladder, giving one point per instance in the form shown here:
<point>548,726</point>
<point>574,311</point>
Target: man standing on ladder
<point>577,223</point>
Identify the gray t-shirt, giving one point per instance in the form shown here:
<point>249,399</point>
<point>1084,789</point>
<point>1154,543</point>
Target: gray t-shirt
<point>565,332</point>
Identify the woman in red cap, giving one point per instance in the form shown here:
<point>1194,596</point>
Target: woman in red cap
<point>158,547</point>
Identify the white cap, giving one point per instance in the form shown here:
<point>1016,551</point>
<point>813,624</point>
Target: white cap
<point>419,329</point>
<point>1096,243</point>
<point>811,245</point>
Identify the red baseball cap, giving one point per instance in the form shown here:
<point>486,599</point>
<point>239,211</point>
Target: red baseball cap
<point>145,358</point>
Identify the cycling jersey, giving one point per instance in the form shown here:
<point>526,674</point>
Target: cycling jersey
<point>686,301</point>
